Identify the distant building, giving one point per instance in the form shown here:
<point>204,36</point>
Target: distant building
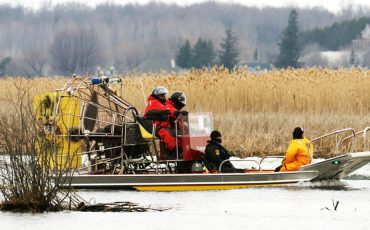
<point>341,58</point>
<point>336,58</point>
<point>257,66</point>
<point>156,65</point>
<point>332,59</point>
<point>362,44</point>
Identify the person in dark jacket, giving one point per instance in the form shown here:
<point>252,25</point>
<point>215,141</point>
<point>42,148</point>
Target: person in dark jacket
<point>216,154</point>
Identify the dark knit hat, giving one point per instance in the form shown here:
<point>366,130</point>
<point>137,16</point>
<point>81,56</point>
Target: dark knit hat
<point>298,133</point>
<point>215,134</point>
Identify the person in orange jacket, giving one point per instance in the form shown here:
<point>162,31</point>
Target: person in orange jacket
<point>297,154</point>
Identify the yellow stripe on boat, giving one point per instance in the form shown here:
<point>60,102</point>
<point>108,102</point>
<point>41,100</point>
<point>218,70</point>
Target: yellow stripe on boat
<point>169,188</point>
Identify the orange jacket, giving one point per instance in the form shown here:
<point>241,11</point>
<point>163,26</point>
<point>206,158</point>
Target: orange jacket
<point>297,155</point>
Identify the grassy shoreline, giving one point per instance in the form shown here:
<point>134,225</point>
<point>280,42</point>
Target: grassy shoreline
<point>256,112</point>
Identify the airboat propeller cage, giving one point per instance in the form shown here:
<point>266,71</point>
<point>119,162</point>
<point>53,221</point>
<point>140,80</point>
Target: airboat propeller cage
<point>85,112</point>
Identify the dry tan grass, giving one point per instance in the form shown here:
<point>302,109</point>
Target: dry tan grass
<point>256,112</point>
<point>302,90</point>
<point>10,86</point>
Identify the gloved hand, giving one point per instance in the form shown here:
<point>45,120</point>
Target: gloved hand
<point>277,169</point>
<point>232,153</point>
<point>184,112</point>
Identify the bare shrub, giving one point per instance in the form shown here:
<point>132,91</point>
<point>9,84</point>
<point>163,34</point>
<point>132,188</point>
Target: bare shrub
<point>28,179</point>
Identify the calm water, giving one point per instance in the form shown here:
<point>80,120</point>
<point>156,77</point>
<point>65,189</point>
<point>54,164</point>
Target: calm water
<point>301,206</point>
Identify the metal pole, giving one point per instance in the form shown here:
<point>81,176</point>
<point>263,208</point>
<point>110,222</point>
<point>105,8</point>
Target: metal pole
<point>177,147</point>
<point>142,90</point>
<point>366,144</point>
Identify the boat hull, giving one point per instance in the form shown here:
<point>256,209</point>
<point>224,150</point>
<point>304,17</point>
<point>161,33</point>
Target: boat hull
<point>330,169</point>
<point>339,167</point>
<point>183,182</point>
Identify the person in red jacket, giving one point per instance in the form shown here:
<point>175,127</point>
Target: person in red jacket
<point>177,101</point>
<point>160,113</point>
<point>156,109</point>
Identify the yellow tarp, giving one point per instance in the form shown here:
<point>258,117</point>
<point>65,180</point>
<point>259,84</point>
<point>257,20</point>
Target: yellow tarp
<point>56,125</point>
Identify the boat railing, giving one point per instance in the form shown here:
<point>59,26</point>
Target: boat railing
<point>246,160</point>
<point>337,141</point>
<point>268,157</point>
<point>366,142</point>
<point>364,135</point>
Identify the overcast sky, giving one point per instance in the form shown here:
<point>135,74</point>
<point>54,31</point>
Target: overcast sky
<point>332,5</point>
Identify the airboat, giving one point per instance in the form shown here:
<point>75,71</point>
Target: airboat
<point>102,138</point>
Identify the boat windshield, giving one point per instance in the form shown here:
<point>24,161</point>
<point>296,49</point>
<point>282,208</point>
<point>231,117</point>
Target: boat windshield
<point>198,124</point>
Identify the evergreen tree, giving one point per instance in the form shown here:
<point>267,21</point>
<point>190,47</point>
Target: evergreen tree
<point>229,50</point>
<point>204,54</point>
<point>3,63</point>
<point>289,45</point>
<point>184,57</point>
<point>211,53</point>
<point>336,36</point>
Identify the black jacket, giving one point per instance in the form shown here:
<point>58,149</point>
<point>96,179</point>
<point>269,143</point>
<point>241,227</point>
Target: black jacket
<point>215,154</point>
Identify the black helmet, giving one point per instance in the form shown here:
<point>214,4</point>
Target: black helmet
<point>159,90</point>
<point>179,99</point>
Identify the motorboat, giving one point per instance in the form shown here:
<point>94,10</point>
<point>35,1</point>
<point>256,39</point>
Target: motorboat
<point>100,140</point>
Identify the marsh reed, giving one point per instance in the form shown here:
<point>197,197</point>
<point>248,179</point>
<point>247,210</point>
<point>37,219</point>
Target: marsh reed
<point>255,111</point>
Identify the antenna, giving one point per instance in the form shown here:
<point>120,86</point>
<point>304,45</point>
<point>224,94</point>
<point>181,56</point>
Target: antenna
<point>142,90</point>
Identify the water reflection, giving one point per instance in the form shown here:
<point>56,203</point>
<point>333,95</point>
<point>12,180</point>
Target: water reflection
<point>336,185</point>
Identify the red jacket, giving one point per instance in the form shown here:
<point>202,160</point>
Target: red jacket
<point>159,113</point>
<point>172,108</point>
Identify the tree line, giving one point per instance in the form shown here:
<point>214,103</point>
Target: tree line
<point>293,41</point>
<point>74,38</point>
<point>204,54</point>
<point>336,36</point>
